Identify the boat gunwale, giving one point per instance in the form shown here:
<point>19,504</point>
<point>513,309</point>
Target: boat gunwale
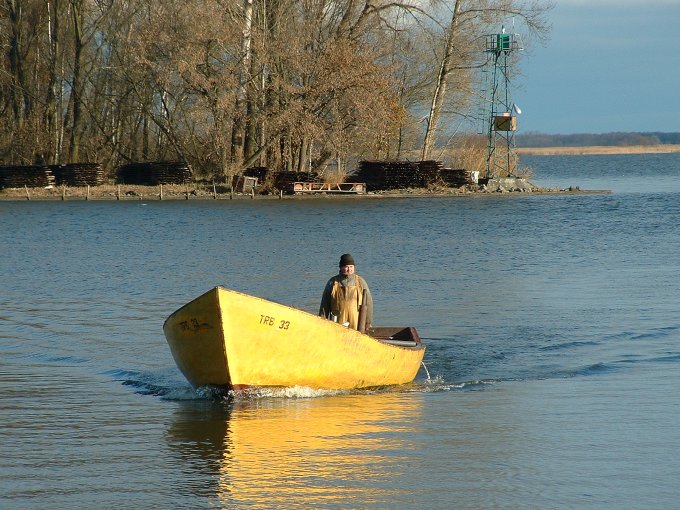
<point>380,339</point>
<point>189,303</point>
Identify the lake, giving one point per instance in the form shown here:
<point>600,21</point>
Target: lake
<point>550,378</point>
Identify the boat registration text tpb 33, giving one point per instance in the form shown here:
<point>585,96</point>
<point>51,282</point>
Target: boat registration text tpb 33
<point>266,320</point>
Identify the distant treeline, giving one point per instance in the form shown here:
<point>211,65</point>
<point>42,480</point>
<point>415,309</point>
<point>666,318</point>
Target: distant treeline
<point>604,139</point>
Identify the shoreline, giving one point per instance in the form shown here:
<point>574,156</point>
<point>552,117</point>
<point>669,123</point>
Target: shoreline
<point>176,193</point>
<point>598,150</point>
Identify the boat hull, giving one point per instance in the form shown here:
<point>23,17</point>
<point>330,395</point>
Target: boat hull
<point>226,338</point>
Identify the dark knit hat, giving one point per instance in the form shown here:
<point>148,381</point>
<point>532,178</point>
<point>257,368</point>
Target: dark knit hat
<point>347,260</point>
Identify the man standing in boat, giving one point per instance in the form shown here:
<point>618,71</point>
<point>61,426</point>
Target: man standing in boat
<point>345,295</point>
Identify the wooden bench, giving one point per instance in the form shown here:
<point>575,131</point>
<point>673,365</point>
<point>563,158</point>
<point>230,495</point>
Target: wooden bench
<point>357,188</point>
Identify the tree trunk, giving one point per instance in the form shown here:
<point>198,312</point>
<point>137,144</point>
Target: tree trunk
<point>238,131</point>
<point>51,107</point>
<point>21,103</point>
<point>77,85</point>
<point>440,87</point>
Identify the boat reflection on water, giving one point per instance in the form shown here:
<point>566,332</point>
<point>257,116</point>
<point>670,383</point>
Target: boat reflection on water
<point>300,452</point>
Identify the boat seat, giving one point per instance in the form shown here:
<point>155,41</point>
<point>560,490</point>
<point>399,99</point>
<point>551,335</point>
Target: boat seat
<point>402,343</point>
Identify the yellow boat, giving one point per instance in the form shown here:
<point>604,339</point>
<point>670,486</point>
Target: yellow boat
<point>232,340</point>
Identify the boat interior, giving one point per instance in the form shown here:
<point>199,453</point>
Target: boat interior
<point>404,337</point>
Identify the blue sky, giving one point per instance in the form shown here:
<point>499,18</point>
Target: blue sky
<point>610,65</point>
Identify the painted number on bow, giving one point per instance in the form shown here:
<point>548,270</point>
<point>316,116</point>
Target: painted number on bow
<point>266,320</point>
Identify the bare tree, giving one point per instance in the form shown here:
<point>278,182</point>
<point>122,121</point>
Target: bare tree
<point>52,151</point>
<point>20,99</point>
<point>244,78</point>
<point>468,19</point>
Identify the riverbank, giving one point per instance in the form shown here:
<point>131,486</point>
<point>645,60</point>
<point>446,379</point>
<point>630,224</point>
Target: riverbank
<point>599,150</point>
<point>199,192</point>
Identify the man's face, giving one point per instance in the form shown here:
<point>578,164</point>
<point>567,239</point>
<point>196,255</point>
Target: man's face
<point>347,270</point>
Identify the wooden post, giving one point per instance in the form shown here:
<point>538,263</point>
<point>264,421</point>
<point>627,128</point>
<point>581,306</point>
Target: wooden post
<point>231,192</point>
<point>28,196</point>
<point>280,194</point>
<point>118,193</point>
<point>161,194</point>
<point>214,190</point>
<point>87,196</point>
<point>252,193</point>
<point>63,192</point>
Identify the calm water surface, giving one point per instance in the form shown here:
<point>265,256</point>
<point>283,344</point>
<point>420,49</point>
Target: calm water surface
<point>551,323</point>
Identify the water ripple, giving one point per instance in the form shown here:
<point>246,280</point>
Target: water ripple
<point>567,345</point>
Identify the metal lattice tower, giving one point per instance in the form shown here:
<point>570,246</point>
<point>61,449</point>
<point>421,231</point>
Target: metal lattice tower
<point>499,117</point>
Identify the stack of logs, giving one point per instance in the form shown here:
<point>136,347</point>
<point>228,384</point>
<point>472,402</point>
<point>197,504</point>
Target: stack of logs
<point>32,176</point>
<point>261,172</point>
<point>154,173</point>
<point>284,180</point>
<point>386,175</point>
<point>79,174</point>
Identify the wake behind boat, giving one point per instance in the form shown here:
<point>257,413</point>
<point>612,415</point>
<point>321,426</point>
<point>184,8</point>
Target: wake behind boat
<point>229,339</point>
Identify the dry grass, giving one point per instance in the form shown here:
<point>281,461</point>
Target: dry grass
<point>469,154</point>
<point>335,176</point>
